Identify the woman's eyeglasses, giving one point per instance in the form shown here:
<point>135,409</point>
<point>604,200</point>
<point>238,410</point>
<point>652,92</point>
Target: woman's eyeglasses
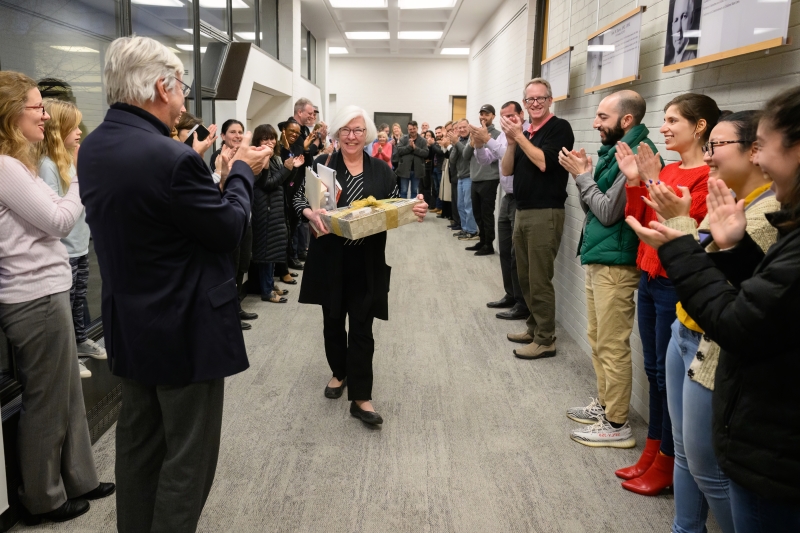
<point>709,146</point>
<point>358,132</point>
<point>40,106</point>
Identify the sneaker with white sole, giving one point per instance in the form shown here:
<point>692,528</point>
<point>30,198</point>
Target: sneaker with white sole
<point>85,372</point>
<point>469,237</point>
<point>587,415</point>
<point>603,434</point>
<point>89,348</point>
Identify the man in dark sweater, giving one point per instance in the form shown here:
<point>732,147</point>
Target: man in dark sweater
<point>540,189</point>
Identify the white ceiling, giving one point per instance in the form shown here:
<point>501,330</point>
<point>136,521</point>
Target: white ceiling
<point>459,26</point>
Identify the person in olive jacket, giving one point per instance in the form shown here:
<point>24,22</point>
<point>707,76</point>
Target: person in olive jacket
<point>748,302</point>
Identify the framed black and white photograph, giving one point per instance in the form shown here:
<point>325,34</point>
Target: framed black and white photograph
<point>683,32</point>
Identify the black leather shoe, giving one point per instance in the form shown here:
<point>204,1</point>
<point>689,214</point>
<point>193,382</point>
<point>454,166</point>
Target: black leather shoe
<point>515,313</point>
<point>244,315</point>
<point>295,264</point>
<point>302,256</point>
<point>485,250</point>
<point>440,216</point>
<point>69,509</point>
<point>245,325</point>
<point>103,490</point>
<point>474,247</point>
<point>335,392</point>
<point>504,303</point>
<point>368,417</point>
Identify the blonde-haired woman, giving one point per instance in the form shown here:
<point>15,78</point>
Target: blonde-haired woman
<point>55,452</point>
<point>57,154</point>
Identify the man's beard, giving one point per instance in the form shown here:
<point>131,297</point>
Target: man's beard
<point>613,135</point>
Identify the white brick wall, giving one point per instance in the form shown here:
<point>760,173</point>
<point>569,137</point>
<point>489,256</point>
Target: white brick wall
<point>739,83</point>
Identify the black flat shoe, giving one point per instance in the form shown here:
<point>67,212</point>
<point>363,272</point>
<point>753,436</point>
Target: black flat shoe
<point>103,490</point>
<point>290,282</point>
<point>245,326</point>
<point>297,265</point>
<point>244,315</point>
<point>335,392</point>
<point>293,274</point>
<point>503,303</point>
<point>368,417</point>
<point>485,250</point>
<point>474,247</point>
<point>515,313</point>
<point>302,256</point>
<point>69,509</point>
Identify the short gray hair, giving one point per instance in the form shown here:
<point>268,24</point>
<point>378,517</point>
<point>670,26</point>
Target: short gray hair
<point>540,81</point>
<point>301,104</point>
<point>134,65</point>
<point>348,113</point>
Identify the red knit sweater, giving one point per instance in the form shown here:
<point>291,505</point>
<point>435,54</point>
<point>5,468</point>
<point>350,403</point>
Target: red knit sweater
<point>696,179</point>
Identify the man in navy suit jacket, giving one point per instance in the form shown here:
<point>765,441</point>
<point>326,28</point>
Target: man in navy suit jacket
<point>163,232</point>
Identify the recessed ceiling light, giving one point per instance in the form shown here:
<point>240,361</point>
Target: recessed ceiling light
<point>355,4</point>
<point>162,3</point>
<point>455,51</point>
<point>420,35</point>
<point>78,49</point>
<point>246,35</point>
<point>337,50</point>
<point>367,35</point>
<point>221,4</point>
<point>425,4</point>
<point>189,48</point>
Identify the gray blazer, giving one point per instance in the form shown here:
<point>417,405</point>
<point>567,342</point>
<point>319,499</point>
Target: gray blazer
<point>411,157</point>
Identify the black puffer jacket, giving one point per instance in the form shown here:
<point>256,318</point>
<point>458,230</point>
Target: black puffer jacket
<point>754,319</point>
<point>269,222</point>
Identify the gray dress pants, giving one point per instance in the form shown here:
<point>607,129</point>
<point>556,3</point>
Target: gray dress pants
<point>167,449</point>
<point>55,450</point>
<point>508,259</point>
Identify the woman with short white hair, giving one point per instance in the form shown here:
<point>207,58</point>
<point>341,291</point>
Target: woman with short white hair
<point>350,279</point>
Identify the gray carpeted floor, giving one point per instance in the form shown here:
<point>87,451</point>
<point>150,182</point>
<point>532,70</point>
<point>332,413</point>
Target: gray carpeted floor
<point>474,440</point>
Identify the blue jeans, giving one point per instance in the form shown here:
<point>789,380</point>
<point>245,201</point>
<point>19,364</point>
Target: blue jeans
<point>698,481</point>
<point>465,206</point>
<point>266,271</point>
<point>656,308</point>
<point>754,514</point>
<point>437,181</point>
<point>412,177</point>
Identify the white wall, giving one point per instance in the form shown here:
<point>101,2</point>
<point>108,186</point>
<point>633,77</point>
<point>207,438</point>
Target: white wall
<point>423,87</point>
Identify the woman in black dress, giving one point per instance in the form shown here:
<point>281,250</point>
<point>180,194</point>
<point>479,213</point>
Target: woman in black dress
<point>350,279</point>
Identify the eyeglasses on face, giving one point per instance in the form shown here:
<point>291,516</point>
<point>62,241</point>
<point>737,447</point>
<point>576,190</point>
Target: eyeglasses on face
<point>358,132</point>
<point>186,89</point>
<point>709,146</point>
<point>541,100</point>
<point>40,106</point>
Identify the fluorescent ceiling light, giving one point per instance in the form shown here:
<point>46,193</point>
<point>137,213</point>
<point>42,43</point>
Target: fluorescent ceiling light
<point>354,4</point>
<point>162,3</point>
<point>246,35</point>
<point>426,4</point>
<point>189,48</point>
<point>337,50</point>
<point>600,48</point>
<point>79,49</point>
<point>220,4</point>
<point>420,35</point>
<point>367,35</point>
<point>455,51</point>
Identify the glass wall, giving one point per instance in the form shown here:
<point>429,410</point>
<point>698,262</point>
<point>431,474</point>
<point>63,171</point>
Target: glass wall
<point>304,51</point>
<point>244,21</point>
<point>308,55</point>
<point>268,15</point>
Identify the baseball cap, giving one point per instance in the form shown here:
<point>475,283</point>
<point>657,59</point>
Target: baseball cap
<point>488,108</point>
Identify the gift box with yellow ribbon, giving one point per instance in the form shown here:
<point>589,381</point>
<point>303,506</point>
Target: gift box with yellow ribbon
<point>369,216</point>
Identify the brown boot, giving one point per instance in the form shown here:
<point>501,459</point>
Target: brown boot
<point>522,338</point>
<point>536,351</point>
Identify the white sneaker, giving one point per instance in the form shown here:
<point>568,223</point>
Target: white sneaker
<point>602,434</point>
<point>85,372</point>
<point>587,415</point>
<point>89,348</point>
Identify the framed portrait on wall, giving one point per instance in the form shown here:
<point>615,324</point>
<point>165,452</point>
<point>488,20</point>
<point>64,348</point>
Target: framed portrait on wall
<point>612,52</point>
<point>683,32</point>
<point>555,69</point>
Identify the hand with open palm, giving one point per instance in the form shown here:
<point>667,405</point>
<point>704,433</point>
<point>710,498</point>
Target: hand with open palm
<point>725,215</point>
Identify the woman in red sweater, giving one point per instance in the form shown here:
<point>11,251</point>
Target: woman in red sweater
<point>688,121</point>
<point>383,149</point>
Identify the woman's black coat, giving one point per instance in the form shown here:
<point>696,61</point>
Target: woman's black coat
<point>749,303</point>
<point>323,275</point>
<point>269,221</point>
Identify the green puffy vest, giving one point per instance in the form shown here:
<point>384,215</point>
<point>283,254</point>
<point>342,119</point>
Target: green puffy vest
<point>616,244</point>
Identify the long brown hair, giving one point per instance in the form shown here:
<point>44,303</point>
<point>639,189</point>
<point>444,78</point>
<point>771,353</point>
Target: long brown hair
<point>64,118</point>
<point>14,87</point>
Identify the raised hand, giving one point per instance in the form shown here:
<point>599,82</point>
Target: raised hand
<point>725,215</point>
<point>656,235</point>
<point>255,156</point>
<point>512,127</point>
<point>666,203</point>
<point>223,162</point>
<point>648,163</point>
<point>575,162</point>
<point>202,146</point>
<point>626,160</point>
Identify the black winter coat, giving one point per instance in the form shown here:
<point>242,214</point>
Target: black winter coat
<point>754,319</point>
<point>269,221</point>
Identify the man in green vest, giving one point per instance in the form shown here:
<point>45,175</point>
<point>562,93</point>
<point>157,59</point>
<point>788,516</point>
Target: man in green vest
<point>608,252</point>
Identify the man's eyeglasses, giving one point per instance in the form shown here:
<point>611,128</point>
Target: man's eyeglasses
<point>541,100</point>
<point>358,132</point>
<point>186,90</point>
<point>40,106</point>
<point>709,146</point>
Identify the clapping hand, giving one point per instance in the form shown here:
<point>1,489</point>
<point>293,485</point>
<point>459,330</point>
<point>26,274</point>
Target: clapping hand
<point>575,162</point>
<point>255,156</point>
<point>479,136</point>
<point>666,203</point>
<point>725,215</point>
<point>201,146</point>
<point>292,162</point>
<point>453,137</point>
<point>648,163</point>
<point>656,235</point>
<point>512,127</point>
<point>420,209</point>
<point>626,160</point>
<point>223,162</point>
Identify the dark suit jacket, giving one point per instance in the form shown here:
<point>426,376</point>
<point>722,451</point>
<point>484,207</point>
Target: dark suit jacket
<point>410,157</point>
<point>163,234</point>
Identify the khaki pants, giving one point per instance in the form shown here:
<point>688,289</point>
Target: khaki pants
<point>611,308</point>
<point>537,236</point>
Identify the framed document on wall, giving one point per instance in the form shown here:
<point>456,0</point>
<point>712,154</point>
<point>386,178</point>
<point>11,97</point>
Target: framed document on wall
<point>701,31</point>
<point>555,69</point>
<point>612,56</point>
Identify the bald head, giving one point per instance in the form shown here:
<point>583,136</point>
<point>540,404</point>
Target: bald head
<point>617,114</point>
<point>630,103</point>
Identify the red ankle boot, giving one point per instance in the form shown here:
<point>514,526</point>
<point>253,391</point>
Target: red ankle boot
<point>648,456</point>
<point>657,478</point>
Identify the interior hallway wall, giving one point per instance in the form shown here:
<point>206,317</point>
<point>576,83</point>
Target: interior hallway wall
<point>423,87</point>
<point>739,83</point>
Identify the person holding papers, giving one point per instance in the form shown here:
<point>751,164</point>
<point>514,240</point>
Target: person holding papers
<point>350,279</point>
